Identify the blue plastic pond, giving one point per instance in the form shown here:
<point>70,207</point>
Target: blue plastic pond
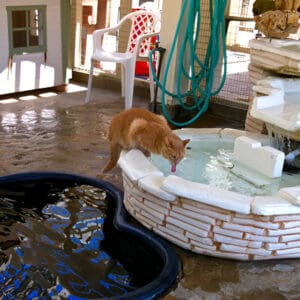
<point>65,236</point>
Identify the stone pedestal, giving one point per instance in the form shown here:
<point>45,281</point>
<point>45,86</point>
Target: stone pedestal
<point>270,57</point>
<point>253,124</point>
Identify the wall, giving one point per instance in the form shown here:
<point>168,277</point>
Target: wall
<point>31,71</point>
<point>168,28</point>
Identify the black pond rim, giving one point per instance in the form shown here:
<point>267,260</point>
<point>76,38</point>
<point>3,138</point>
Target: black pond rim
<point>168,276</point>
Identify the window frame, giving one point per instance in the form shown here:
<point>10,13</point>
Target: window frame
<point>41,27</point>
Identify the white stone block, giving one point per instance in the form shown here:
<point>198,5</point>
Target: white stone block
<point>273,205</point>
<point>153,206</point>
<point>291,224</point>
<point>291,194</point>
<point>238,249</point>
<point>191,221</point>
<point>152,184</point>
<point>243,147</point>
<point>288,251</point>
<point>210,213</point>
<point>271,161</point>
<point>256,223</point>
<point>263,102</point>
<point>228,232</point>
<point>195,238</point>
<point>175,228</point>
<point>136,166</point>
<point>174,234</point>
<point>265,160</point>
<point>229,240</point>
<point>149,223</point>
<point>243,228</point>
<point>279,246</point>
<point>138,205</point>
<point>194,214</point>
<point>156,200</point>
<point>266,239</point>
<point>281,232</point>
<point>281,106</point>
<point>184,245</point>
<point>229,255</point>
<point>187,227</point>
<point>206,194</point>
<point>204,247</point>
<point>286,218</point>
<point>154,216</point>
<point>237,242</point>
<point>289,238</point>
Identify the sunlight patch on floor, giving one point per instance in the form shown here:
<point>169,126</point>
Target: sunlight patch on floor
<point>73,88</point>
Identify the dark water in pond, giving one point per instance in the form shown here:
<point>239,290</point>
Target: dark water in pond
<point>55,250</point>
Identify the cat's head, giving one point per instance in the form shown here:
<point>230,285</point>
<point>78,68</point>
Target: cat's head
<point>174,150</point>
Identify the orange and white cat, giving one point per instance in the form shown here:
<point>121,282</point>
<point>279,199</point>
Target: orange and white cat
<point>144,130</point>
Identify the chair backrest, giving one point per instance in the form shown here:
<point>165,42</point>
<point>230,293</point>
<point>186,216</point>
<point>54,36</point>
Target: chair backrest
<point>143,22</point>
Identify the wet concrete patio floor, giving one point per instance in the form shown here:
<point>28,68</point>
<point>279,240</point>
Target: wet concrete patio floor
<point>61,133</point>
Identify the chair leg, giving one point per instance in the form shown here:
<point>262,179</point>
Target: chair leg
<point>89,87</point>
<point>123,72</point>
<point>151,86</point>
<point>129,85</point>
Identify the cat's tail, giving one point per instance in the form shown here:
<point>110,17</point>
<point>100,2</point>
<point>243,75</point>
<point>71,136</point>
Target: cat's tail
<point>107,168</point>
<point>115,150</point>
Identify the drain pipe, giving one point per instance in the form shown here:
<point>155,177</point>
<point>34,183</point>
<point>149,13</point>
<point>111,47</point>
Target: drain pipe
<point>290,160</point>
<point>161,52</point>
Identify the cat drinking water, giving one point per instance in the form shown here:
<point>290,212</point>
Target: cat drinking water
<point>144,130</point>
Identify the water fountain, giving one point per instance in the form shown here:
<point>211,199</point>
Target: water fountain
<point>278,105</point>
<point>255,218</point>
<point>206,218</point>
<point>276,102</point>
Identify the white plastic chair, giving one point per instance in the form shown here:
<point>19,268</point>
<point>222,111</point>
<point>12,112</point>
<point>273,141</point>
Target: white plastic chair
<point>144,26</point>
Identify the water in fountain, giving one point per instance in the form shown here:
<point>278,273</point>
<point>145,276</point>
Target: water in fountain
<point>209,161</point>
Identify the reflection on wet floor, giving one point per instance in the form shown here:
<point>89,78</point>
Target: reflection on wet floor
<point>61,133</point>
<point>66,139</point>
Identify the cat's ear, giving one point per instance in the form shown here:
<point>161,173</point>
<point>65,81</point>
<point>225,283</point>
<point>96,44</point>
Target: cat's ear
<point>186,141</point>
<point>169,142</point>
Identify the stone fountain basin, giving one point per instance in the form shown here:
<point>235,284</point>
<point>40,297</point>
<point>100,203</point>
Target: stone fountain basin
<point>279,55</point>
<point>278,103</point>
<point>208,220</point>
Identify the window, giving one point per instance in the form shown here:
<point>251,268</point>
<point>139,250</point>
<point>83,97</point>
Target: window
<point>26,29</point>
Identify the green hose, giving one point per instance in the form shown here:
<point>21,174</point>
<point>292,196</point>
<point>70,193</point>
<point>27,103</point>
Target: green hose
<point>187,52</point>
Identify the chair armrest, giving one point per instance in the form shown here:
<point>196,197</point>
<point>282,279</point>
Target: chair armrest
<point>140,39</point>
<point>99,33</point>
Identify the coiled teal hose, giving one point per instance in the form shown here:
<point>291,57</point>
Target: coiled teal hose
<point>202,80</point>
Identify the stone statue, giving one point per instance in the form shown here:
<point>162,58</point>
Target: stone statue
<point>277,18</point>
